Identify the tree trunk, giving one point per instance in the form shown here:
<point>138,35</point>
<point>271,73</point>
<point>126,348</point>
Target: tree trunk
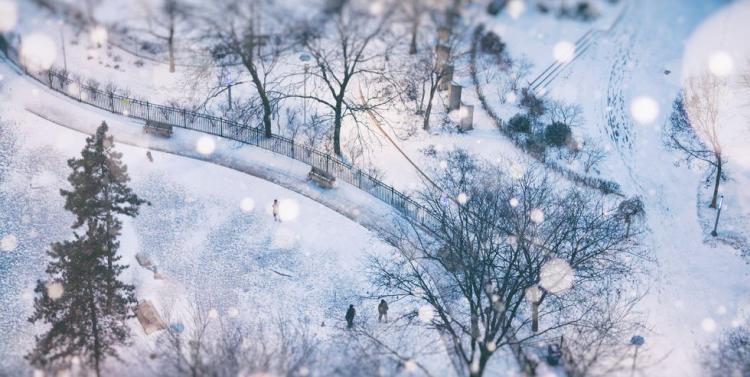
<point>171,54</point>
<point>718,180</point>
<point>263,99</point>
<point>94,330</point>
<point>337,115</point>
<point>484,356</point>
<point>428,110</point>
<point>414,31</point>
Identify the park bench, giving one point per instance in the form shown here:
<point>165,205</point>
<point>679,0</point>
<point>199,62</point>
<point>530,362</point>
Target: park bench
<point>322,178</point>
<point>158,128</point>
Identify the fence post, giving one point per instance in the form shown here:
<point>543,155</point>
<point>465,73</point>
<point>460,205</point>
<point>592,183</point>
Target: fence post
<point>184,118</point>
<point>393,195</point>
<point>327,159</point>
<point>148,112</point>
<point>221,126</point>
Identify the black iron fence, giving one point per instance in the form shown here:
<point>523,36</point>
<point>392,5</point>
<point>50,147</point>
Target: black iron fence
<point>61,82</point>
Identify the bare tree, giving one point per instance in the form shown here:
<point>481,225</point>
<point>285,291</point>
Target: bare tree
<point>218,347</point>
<point>473,266</point>
<point>598,344</point>
<point>239,38</point>
<point>342,52</point>
<point>695,125</point>
<point>565,113</point>
<point>731,357</point>
<point>164,23</point>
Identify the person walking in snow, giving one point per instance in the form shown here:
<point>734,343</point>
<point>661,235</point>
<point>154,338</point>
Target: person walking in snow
<point>383,311</point>
<point>350,316</point>
<point>275,209</point>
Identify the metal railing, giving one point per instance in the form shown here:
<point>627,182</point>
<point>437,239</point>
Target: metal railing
<point>61,82</point>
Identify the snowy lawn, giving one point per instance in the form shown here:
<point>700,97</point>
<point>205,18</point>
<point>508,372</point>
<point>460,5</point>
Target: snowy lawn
<point>209,230</point>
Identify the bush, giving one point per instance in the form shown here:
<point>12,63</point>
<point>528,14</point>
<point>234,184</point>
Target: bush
<point>520,123</point>
<point>557,134</point>
<point>490,43</point>
<point>535,146</point>
<point>534,105</point>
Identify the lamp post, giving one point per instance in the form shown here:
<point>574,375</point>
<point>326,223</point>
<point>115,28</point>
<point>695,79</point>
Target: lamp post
<point>304,58</point>
<point>637,341</point>
<point>533,296</point>
<point>718,213</point>
<point>62,44</point>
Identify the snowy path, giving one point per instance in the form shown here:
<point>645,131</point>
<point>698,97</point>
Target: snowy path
<point>290,174</point>
<point>695,290</point>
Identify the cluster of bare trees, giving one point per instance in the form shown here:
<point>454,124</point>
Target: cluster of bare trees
<point>493,239</point>
<point>347,47</point>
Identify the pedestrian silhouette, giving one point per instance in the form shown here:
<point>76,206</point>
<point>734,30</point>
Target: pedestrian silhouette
<point>350,316</point>
<point>150,157</point>
<point>275,209</point>
<point>383,311</point>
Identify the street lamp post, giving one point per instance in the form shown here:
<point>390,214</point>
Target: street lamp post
<point>304,58</point>
<point>637,341</point>
<point>718,213</point>
<point>62,44</point>
<point>534,296</point>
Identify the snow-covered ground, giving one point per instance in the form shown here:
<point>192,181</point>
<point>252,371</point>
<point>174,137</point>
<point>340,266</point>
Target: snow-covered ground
<point>197,231</point>
<point>696,289</point>
<point>209,230</point>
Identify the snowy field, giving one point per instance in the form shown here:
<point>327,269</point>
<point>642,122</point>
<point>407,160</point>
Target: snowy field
<point>210,231</point>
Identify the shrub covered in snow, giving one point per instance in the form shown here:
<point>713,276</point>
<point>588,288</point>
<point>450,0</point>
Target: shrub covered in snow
<point>732,355</point>
<point>557,134</point>
<point>520,123</point>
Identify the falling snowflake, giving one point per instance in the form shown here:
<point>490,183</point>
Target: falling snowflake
<point>8,243</point>
<point>98,35</point>
<point>8,15</point>
<point>425,313</point>
<point>410,366</point>
<point>213,313</point>
<point>564,52</point>
<point>54,290</point>
<point>288,210</point>
<point>515,8</point>
<point>233,312</point>
<point>247,204</point>
<point>514,202</point>
<point>491,346</point>
<point>556,276</point>
<point>205,145</point>
<point>708,325</point>
<point>517,171</point>
<point>462,198</point>
<point>721,64</point>
<point>533,294</point>
<point>38,51</point>
<point>537,216</point>
<point>644,110</point>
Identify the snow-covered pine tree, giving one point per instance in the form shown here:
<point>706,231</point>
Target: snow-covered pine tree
<point>85,320</point>
<point>100,192</point>
<point>83,300</point>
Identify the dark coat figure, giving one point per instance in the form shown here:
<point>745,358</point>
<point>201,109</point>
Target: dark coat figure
<point>383,311</point>
<point>275,210</point>
<point>350,316</point>
<point>150,157</point>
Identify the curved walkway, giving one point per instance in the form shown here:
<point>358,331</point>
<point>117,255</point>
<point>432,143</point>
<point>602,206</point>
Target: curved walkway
<point>350,202</point>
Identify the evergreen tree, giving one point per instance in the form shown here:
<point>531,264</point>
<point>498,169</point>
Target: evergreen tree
<point>88,318</point>
<point>100,192</point>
